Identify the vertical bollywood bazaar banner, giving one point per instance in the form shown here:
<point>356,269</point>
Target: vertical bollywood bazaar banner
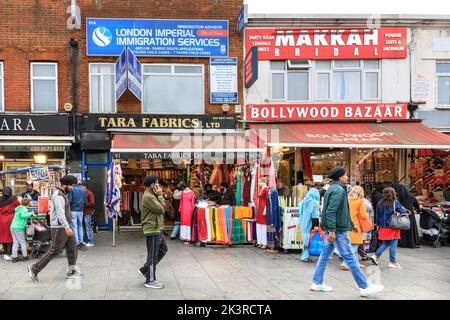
<point>169,38</point>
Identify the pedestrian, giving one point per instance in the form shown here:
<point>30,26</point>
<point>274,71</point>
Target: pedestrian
<point>78,200</point>
<point>8,204</point>
<point>62,234</point>
<point>18,227</point>
<point>388,235</point>
<point>152,217</point>
<point>176,209</point>
<point>30,193</point>
<point>359,217</point>
<point>227,196</point>
<point>87,215</point>
<point>408,238</point>
<point>282,189</point>
<point>366,235</point>
<point>337,223</point>
<point>309,219</point>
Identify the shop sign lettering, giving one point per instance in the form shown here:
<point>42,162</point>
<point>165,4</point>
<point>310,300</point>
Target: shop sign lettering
<point>352,137</point>
<point>16,124</point>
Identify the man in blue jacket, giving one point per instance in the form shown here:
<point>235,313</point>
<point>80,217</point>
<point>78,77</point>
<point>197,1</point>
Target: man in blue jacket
<point>78,200</point>
<point>336,222</point>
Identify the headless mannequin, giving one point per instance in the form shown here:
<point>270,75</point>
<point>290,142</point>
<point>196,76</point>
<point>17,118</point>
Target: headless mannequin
<point>261,222</point>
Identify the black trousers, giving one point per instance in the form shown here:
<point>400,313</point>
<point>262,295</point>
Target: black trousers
<point>156,250</point>
<point>7,248</point>
<point>60,240</point>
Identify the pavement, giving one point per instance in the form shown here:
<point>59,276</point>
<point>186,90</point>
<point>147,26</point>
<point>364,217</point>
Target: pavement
<point>202,273</point>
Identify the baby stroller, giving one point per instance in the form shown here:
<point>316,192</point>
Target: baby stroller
<point>41,239</point>
<point>435,230</point>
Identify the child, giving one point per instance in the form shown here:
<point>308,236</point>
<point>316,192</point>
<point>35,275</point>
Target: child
<point>18,227</point>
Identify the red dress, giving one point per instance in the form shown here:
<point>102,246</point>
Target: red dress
<point>385,234</point>
<point>262,200</point>
<point>6,217</point>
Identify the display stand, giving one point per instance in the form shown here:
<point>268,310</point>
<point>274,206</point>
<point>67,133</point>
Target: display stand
<point>291,236</point>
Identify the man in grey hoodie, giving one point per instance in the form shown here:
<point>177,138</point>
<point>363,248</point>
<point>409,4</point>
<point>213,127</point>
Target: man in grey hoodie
<point>62,233</point>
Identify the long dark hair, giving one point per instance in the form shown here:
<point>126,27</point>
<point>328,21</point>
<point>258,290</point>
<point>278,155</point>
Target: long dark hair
<point>388,197</point>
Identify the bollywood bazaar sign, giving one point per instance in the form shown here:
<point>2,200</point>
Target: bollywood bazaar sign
<point>146,37</point>
<point>327,43</point>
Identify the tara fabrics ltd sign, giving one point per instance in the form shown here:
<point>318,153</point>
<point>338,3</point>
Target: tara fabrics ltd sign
<point>323,112</point>
<point>328,43</point>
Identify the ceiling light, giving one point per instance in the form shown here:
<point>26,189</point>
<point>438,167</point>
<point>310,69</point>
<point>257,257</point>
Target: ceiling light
<point>40,158</point>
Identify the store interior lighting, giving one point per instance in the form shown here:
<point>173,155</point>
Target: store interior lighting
<point>40,158</point>
<point>2,157</point>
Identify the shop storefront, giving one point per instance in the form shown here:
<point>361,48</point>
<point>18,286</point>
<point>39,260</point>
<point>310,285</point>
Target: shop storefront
<point>33,141</point>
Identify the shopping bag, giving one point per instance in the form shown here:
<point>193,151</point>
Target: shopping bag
<point>315,244</point>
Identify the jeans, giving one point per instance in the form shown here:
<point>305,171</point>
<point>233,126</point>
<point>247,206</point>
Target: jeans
<point>19,241</point>
<point>176,230</point>
<point>156,250</point>
<point>89,231</point>
<point>342,243</point>
<point>355,251</point>
<point>392,244</point>
<point>77,226</point>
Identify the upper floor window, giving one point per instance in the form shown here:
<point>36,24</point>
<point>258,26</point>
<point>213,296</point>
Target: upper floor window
<point>102,96</point>
<point>2,95</point>
<point>333,80</point>
<point>443,83</point>
<point>173,88</point>
<point>44,87</point>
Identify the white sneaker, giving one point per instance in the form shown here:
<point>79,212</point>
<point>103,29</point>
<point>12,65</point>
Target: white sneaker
<point>89,244</point>
<point>370,290</point>
<point>374,259</point>
<point>395,265</point>
<point>321,288</point>
<point>7,258</point>
<point>154,285</point>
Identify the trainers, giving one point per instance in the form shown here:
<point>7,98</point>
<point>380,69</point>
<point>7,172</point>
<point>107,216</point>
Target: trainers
<point>25,258</point>
<point>142,274</point>
<point>89,245</point>
<point>374,259</point>
<point>345,268</point>
<point>321,288</point>
<point>14,260</point>
<point>74,275</point>
<point>32,275</point>
<point>370,290</point>
<point>395,265</point>
<point>153,285</point>
<point>7,258</point>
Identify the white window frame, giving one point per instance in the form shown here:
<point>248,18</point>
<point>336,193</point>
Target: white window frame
<point>285,84</point>
<point>172,69</point>
<point>102,102</point>
<point>2,107</point>
<point>43,78</point>
<point>439,74</point>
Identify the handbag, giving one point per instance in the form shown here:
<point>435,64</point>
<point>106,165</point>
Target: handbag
<point>366,225</point>
<point>400,220</point>
<point>374,242</point>
<point>315,244</point>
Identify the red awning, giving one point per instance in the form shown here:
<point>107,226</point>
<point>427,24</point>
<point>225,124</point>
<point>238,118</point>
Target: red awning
<point>400,135</point>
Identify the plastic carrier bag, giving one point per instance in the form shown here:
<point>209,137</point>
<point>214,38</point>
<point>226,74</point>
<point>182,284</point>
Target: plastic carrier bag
<point>315,244</point>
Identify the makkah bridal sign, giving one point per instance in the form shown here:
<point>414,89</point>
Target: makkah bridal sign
<point>421,88</point>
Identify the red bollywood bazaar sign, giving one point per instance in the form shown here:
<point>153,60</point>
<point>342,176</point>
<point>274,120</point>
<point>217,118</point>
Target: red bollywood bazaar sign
<point>322,112</point>
<point>328,43</point>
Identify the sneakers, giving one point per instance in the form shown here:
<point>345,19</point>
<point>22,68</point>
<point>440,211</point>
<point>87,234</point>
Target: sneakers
<point>89,245</point>
<point>370,290</point>
<point>74,275</point>
<point>154,285</point>
<point>344,267</point>
<point>14,260</point>
<point>321,288</point>
<point>7,258</point>
<point>32,275</point>
<point>374,259</point>
<point>395,265</point>
<point>142,274</point>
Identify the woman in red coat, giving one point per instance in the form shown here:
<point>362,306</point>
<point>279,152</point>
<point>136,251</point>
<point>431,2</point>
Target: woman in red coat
<point>8,204</point>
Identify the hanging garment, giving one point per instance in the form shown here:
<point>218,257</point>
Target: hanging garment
<point>187,205</point>
<point>194,230</point>
<point>246,187</point>
<point>202,224</point>
<point>212,226</point>
<point>216,177</point>
<point>262,201</point>
<point>300,192</point>
<point>228,219</point>
<point>238,177</point>
<point>273,219</point>
<point>238,234</point>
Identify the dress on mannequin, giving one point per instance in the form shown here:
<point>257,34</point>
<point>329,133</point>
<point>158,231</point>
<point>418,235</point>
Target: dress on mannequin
<point>301,191</point>
<point>261,221</point>
<point>187,205</point>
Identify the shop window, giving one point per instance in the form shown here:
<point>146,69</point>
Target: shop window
<point>44,87</point>
<point>170,88</point>
<point>443,83</point>
<point>102,92</point>
<point>2,96</point>
<point>289,80</point>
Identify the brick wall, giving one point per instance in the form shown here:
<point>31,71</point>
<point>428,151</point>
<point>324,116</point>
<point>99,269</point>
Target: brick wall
<point>36,30</point>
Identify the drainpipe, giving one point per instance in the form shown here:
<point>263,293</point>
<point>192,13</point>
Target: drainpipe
<point>73,75</point>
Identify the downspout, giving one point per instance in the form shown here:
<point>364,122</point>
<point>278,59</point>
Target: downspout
<point>73,75</point>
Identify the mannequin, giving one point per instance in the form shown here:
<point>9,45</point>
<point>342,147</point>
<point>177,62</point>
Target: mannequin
<point>261,221</point>
<point>300,192</point>
<point>187,205</point>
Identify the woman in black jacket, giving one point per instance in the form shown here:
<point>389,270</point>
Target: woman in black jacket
<point>227,197</point>
<point>409,238</point>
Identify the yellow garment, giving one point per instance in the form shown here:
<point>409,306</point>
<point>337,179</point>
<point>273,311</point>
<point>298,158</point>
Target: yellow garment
<point>300,192</point>
<point>217,226</point>
<point>357,211</point>
<point>210,217</point>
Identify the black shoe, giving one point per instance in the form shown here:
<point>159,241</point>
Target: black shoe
<point>25,258</point>
<point>80,247</point>
<point>32,275</point>
<point>173,238</point>
<point>14,260</point>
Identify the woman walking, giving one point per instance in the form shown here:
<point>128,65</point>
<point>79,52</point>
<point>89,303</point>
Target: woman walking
<point>309,217</point>
<point>8,204</point>
<point>360,219</point>
<point>390,236</point>
<point>408,238</point>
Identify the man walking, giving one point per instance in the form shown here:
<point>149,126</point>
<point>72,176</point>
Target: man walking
<point>78,199</point>
<point>62,234</point>
<point>152,218</point>
<point>337,223</point>
<point>88,215</point>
